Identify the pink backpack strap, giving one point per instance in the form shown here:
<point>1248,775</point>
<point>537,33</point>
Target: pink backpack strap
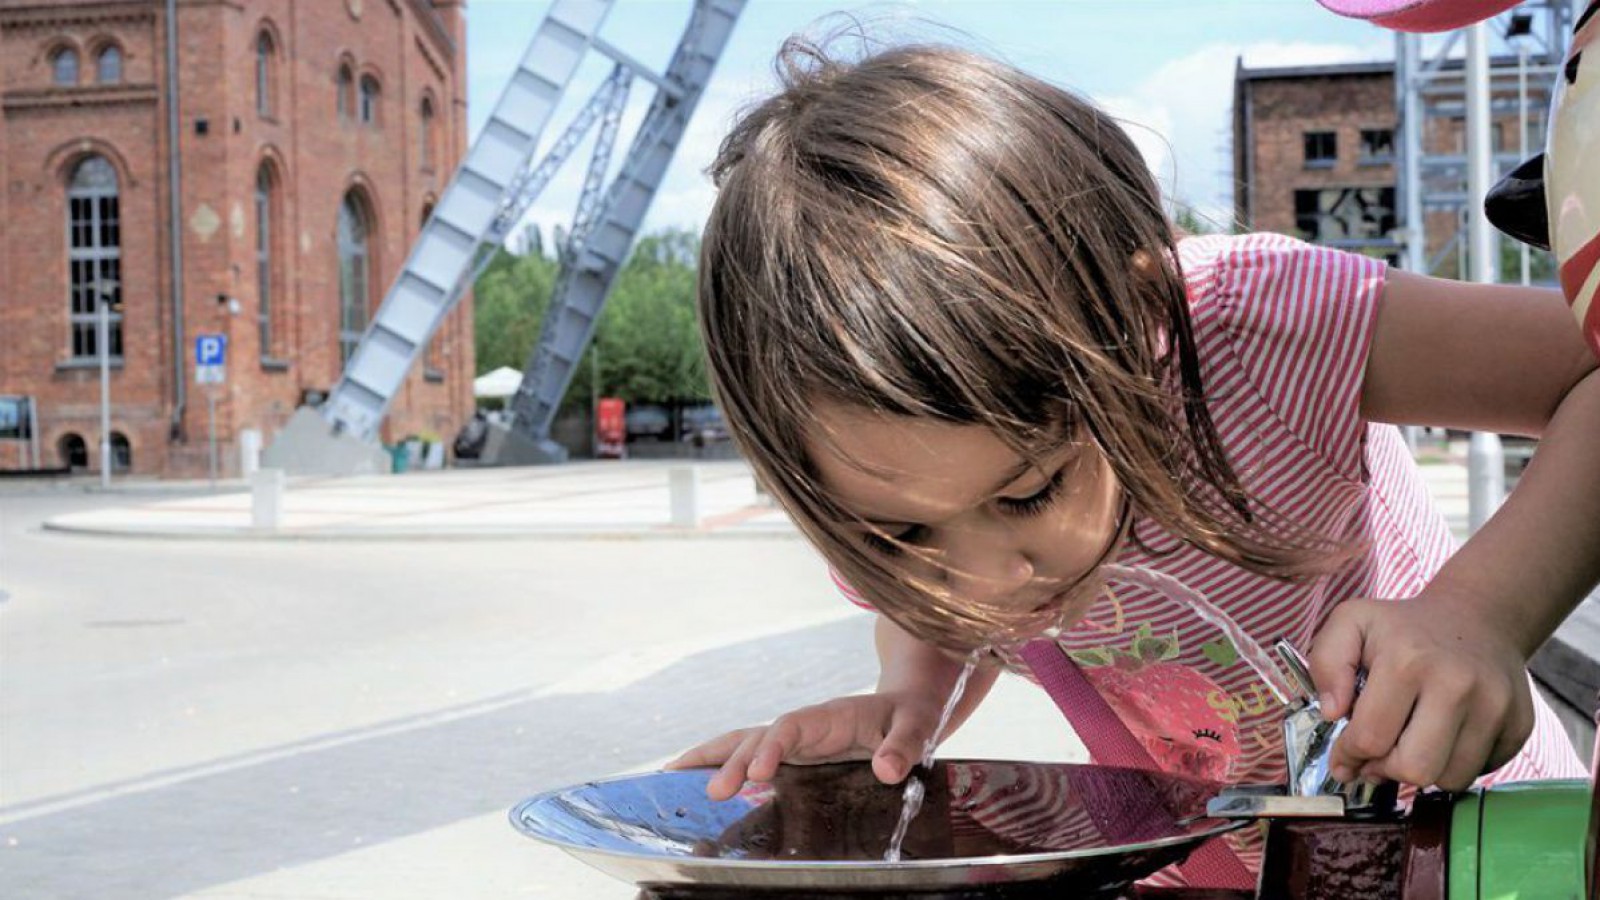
<point>1212,864</point>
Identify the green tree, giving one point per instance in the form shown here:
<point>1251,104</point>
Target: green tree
<point>649,343</point>
<point>647,340</point>
<point>510,300</point>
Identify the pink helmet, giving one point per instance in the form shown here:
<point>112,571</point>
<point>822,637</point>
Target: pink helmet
<point>1419,15</point>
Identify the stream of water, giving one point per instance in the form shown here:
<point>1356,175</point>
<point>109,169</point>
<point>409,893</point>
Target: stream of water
<point>1250,651</point>
<point>915,789</point>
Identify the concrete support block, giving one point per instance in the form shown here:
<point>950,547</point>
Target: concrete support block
<point>683,484</point>
<point>266,499</point>
<point>249,452</point>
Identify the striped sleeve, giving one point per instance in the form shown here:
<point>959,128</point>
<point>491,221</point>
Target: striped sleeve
<point>1299,320</point>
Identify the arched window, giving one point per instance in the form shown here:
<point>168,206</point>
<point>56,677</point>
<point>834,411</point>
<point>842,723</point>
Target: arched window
<point>265,60</point>
<point>64,67</point>
<point>369,100</point>
<point>108,65</point>
<point>266,282</point>
<point>121,452</point>
<point>73,451</point>
<point>355,273</point>
<point>94,256</point>
<point>346,88</point>
<point>425,112</point>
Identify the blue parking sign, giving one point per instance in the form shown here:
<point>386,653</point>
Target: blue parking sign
<point>210,352</point>
<point>210,349</point>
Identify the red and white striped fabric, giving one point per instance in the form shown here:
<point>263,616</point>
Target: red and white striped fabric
<point>1283,329</point>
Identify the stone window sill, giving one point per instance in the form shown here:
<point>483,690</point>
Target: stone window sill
<point>75,365</point>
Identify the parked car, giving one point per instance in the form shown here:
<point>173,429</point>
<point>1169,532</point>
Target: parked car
<point>703,424</point>
<point>648,421</point>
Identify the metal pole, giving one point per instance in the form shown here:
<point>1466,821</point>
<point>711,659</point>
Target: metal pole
<point>103,338</point>
<point>211,419</point>
<point>175,221</point>
<point>1486,471</point>
<point>1408,48</point>
<point>1522,134</point>
<point>594,399</point>
<point>33,430</point>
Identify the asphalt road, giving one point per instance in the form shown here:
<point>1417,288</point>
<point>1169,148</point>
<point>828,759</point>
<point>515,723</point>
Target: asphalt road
<point>348,720</point>
<point>188,715</point>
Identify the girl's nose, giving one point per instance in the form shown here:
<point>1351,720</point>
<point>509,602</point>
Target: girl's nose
<point>986,571</point>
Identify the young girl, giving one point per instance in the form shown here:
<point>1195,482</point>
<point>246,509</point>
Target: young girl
<point>954,334</point>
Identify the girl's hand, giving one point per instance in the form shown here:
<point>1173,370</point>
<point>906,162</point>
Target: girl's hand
<point>890,728</point>
<point>1446,697</point>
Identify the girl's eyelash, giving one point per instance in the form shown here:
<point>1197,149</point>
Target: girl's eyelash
<point>891,544</point>
<point>1037,502</point>
<point>1033,504</point>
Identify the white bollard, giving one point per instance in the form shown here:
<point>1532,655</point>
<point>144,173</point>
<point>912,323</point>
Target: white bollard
<point>266,499</point>
<point>249,452</point>
<point>1486,478</point>
<point>683,485</point>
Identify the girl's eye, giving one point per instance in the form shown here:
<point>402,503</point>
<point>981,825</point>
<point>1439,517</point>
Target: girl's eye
<point>892,544</point>
<point>1036,502</point>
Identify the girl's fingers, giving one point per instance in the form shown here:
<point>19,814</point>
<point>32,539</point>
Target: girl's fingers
<point>1426,746</point>
<point>902,747</point>
<point>786,739</point>
<point>1375,723</point>
<point>711,753</point>
<point>1335,658</point>
<point>1470,759</point>
<point>732,776</point>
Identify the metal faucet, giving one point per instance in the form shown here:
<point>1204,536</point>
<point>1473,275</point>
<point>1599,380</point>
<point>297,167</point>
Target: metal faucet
<point>1308,741</point>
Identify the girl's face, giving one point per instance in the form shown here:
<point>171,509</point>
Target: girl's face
<point>995,529</point>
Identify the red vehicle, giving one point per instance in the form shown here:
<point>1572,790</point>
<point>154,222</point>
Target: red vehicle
<point>610,428</point>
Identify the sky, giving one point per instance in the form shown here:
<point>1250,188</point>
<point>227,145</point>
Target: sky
<point>1163,67</point>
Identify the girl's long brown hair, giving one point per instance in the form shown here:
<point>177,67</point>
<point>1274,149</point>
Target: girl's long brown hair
<point>926,232</point>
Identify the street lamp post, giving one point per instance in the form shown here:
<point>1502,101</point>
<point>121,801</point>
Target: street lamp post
<point>103,340</point>
<point>104,296</point>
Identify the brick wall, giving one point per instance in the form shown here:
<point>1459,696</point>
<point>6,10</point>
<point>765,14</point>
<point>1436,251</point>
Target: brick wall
<point>1274,112</point>
<point>315,159</point>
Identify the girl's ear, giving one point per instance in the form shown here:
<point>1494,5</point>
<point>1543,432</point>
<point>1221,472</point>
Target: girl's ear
<point>1144,266</point>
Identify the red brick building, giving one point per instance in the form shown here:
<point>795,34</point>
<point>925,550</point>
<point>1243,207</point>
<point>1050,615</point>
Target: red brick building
<point>313,138</point>
<point>1315,154</point>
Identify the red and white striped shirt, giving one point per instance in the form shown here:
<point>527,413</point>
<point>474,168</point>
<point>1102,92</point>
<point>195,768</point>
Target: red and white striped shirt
<point>1283,330</point>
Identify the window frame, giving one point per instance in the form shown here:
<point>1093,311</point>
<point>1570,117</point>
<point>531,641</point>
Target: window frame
<point>368,93</point>
<point>266,69</point>
<point>353,243</point>
<point>1316,160</point>
<point>95,256</point>
<point>1365,143</point>
<point>63,53</point>
<point>108,52</point>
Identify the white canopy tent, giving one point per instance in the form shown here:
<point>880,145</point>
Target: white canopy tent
<point>497,385</point>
